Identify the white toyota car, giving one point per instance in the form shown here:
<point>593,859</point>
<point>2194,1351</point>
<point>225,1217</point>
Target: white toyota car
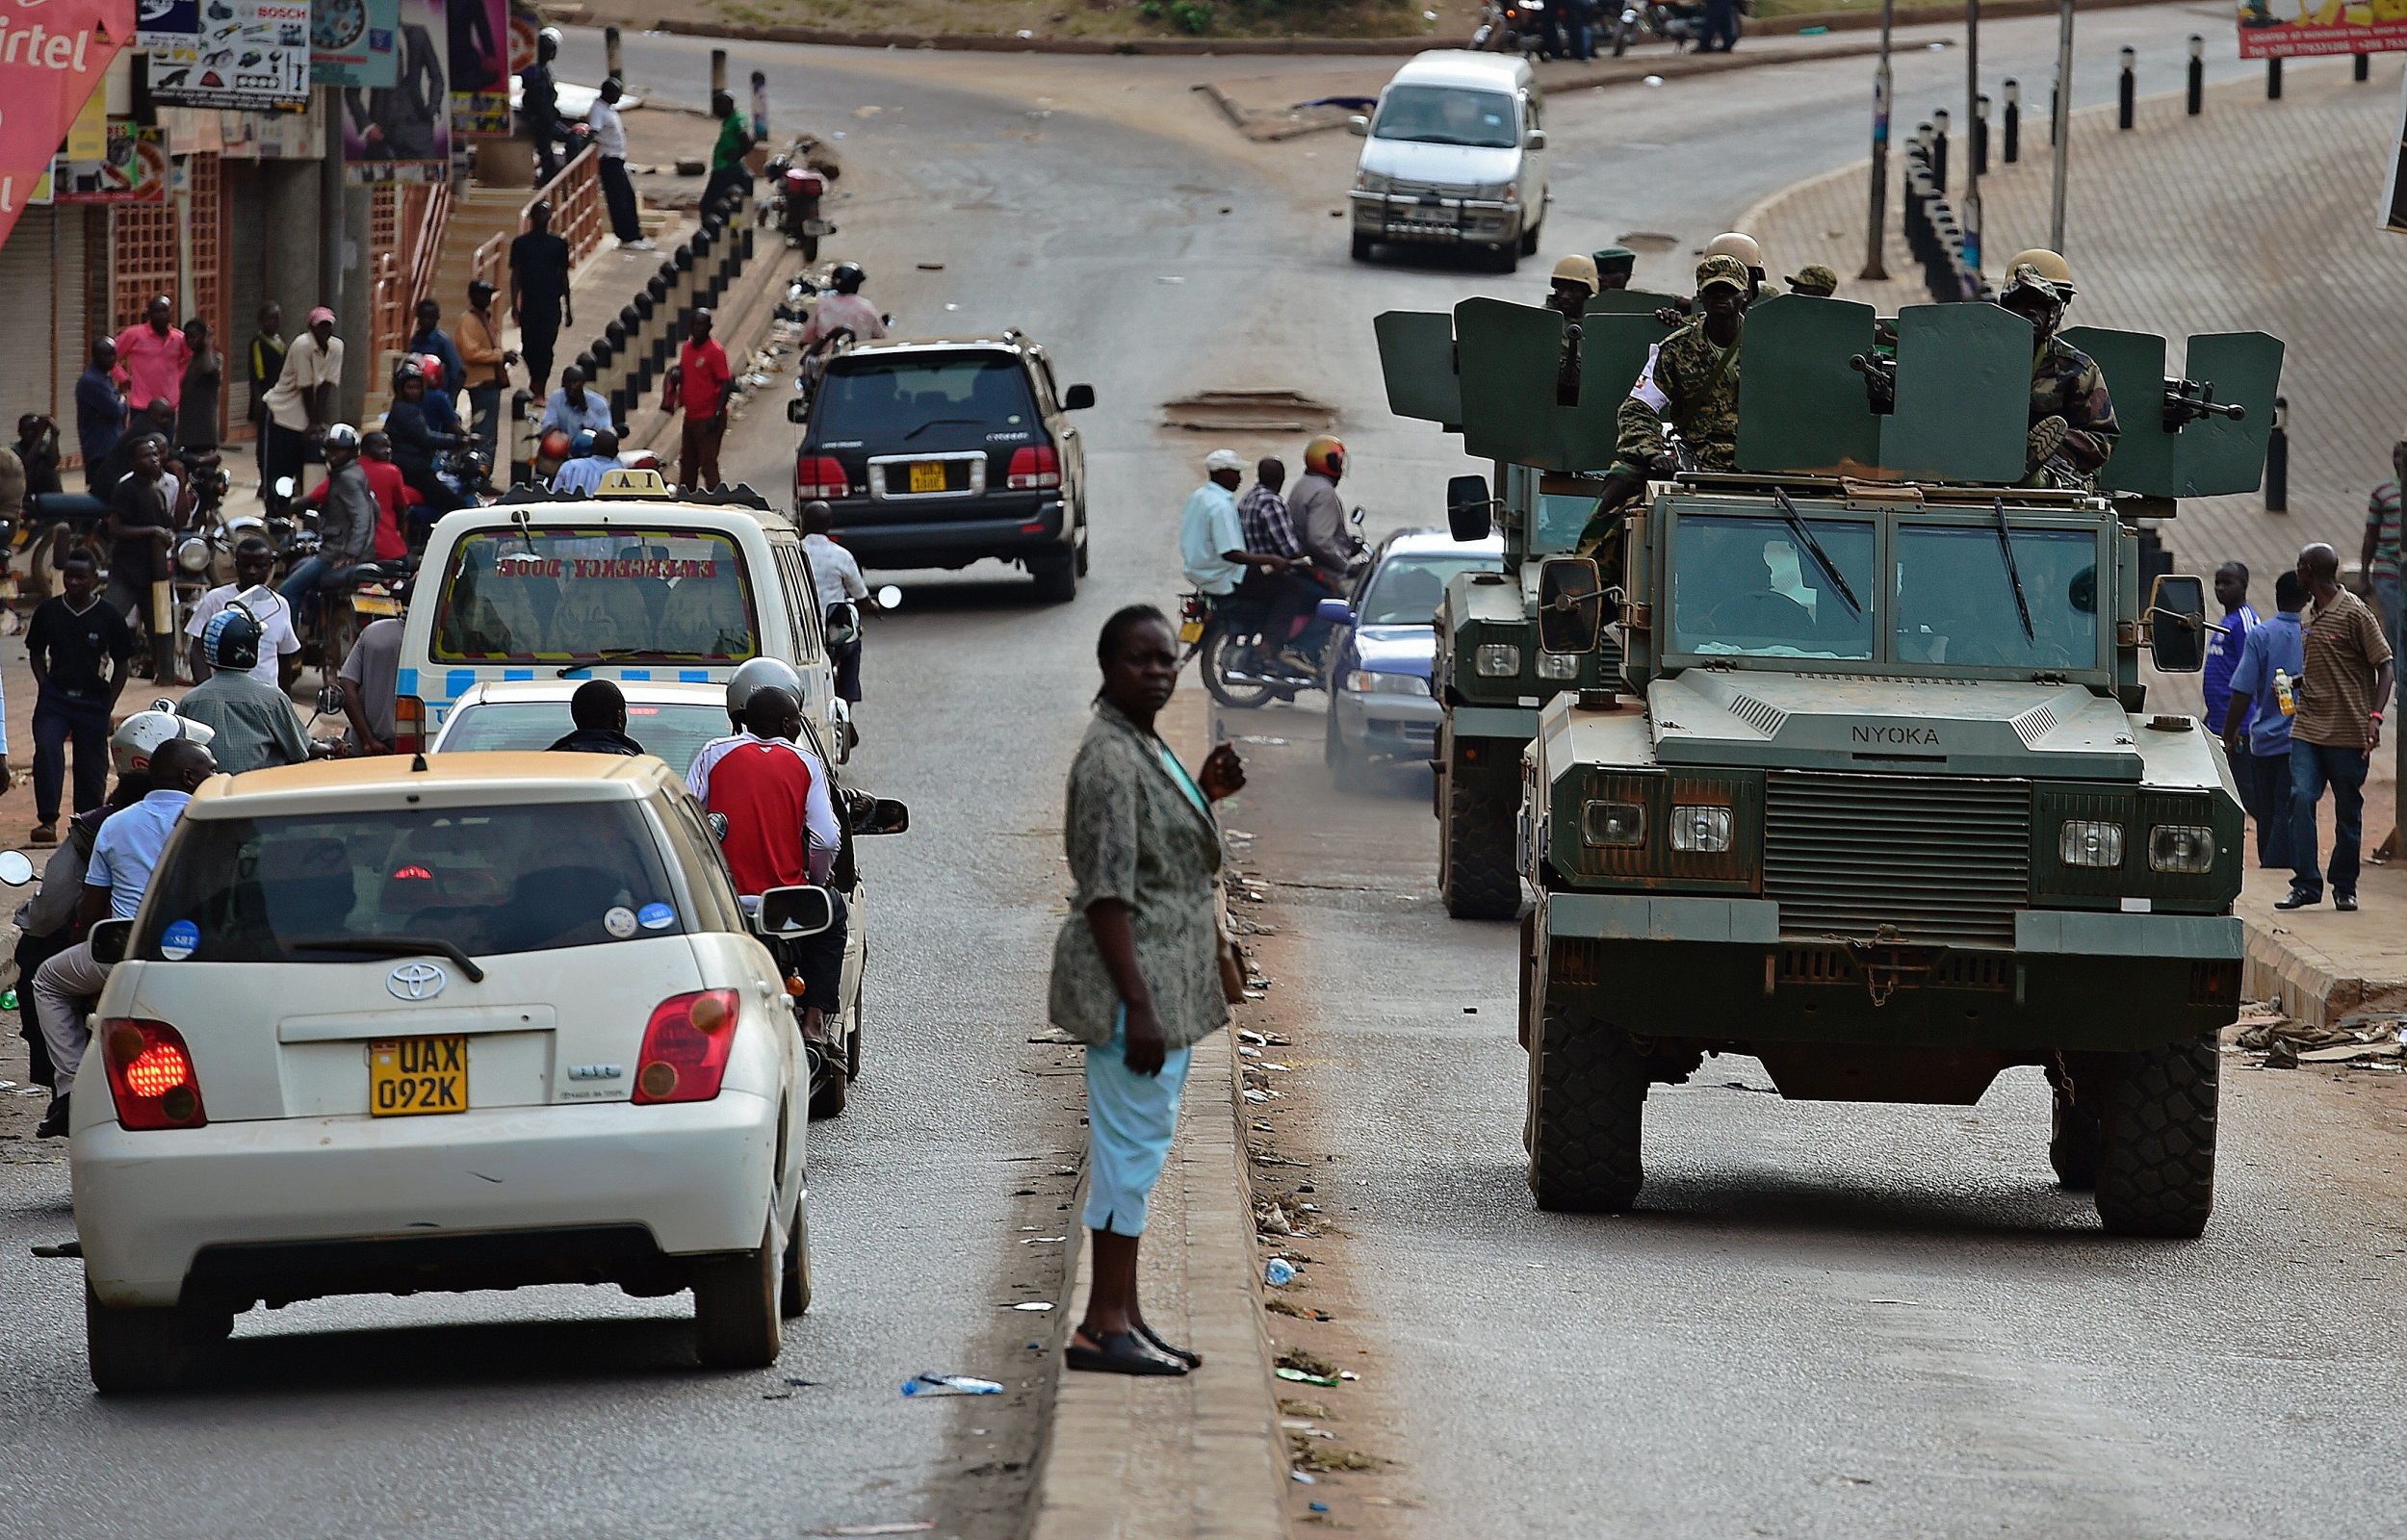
<point>472,1021</point>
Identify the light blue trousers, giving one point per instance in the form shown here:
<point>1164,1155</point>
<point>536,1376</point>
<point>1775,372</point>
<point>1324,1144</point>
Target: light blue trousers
<point>1130,1119</point>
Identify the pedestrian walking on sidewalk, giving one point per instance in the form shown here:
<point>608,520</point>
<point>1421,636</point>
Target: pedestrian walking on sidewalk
<point>2379,558</point>
<point>539,297</point>
<point>618,188</point>
<point>700,384</point>
<point>539,106</point>
<point>483,357</point>
<point>2255,719</point>
<point>1136,966</point>
<point>2347,673</point>
<point>2231,591</point>
<point>77,648</point>
<point>728,170</point>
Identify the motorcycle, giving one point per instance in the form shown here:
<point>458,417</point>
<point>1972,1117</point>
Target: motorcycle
<point>795,190</point>
<point>1237,662</point>
<point>1512,26</point>
<point>1681,23</point>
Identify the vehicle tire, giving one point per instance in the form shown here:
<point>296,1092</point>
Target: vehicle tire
<point>1083,544</point>
<point>793,1288</point>
<point>811,248</point>
<point>2156,1147</point>
<point>852,1042</point>
<point>1587,1089</point>
<point>1056,578</point>
<point>1218,646</point>
<point>1507,257</point>
<point>1349,771</point>
<point>831,1089</point>
<point>1530,238</point>
<point>1477,875</point>
<point>133,1349</point>
<point>2073,1141</point>
<point>1361,248</point>
<point>736,1302</point>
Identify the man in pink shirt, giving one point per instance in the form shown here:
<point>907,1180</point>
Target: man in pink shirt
<point>151,355</point>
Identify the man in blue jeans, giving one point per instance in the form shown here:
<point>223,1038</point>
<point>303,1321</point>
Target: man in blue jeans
<point>346,525</point>
<point>2348,679</point>
<point>2256,728</point>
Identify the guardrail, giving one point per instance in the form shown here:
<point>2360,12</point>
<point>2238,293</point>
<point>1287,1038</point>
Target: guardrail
<point>578,214</point>
<point>395,287</point>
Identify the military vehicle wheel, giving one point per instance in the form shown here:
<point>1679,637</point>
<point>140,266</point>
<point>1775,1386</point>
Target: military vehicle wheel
<point>1476,872</point>
<point>1588,1082</point>
<point>1361,248</point>
<point>2156,1149</point>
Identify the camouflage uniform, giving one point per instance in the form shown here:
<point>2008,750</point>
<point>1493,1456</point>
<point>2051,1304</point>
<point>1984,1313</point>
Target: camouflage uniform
<point>1698,384</point>
<point>2065,383</point>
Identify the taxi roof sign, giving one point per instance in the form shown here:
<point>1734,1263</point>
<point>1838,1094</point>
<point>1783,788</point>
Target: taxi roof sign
<point>637,483</point>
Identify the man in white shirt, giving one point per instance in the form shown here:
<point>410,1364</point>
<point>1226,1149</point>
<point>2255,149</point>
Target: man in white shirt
<point>582,475</point>
<point>301,399</point>
<point>839,578</point>
<point>279,649</point>
<point>609,143</point>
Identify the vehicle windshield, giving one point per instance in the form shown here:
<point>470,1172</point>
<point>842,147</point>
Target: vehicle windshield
<point>1748,587</point>
<point>557,594</point>
<point>674,731</point>
<point>1446,114</point>
<point>521,877</point>
<point>1407,590</point>
<point>1954,599</point>
<point>883,402</point>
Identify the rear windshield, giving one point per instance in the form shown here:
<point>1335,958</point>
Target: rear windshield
<point>519,878</point>
<point>1408,590</point>
<point>893,403</point>
<point>557,594</point>
<point>672,732</point>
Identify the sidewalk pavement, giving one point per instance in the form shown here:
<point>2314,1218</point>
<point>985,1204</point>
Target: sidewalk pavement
<point>2319,965</point>
<point>2253,216</point>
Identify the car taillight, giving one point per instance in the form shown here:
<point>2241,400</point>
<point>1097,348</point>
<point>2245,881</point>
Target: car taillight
<point>821,475</point>
<point>1032,468</point>
<point>410,725</point>
<point>686,1046</point>
<point>150,1074</point>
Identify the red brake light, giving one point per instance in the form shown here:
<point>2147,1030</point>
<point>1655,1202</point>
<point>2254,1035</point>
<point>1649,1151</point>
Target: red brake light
<point>150,1075</point>
<point>821,475</point>
<point>1032,468</point>
<point>685,1047</point>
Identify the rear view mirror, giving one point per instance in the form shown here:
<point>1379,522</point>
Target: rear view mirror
<point>1334,612</point>
<point>844,622</point>
<point>1470,509</point>
<point>1078,398</point>
<point>2177,623</point>
<point>108,940</point>
<point>880,815</point>
<point>1358,126</point>
<point>1537,140</point>
<point>790,912</point>
<point>1570,604</point>
<point>890,597</point>
<point>797,408</point>
<point>17,868</point>
<point>718,826</point>
<point>330,700</point>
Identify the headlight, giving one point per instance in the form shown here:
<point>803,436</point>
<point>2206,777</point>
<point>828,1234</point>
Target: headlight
<point>1363,681</point>
<point>2181,848</point>
<point>1613,823</point>
<point>1497,661</point>
<point>1372,182</point>
<point>191,554</point>
<point>1703,831</point>
<point>1558,665</point>
<point>2090,843</point>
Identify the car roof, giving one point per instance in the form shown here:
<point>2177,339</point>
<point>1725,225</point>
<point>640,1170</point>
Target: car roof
<point>1439,542</point>
<point>545,511</point>
<point>1009,344</point>
<point>443,780</point>
<point>1460,67</point>
<point>641,692</point>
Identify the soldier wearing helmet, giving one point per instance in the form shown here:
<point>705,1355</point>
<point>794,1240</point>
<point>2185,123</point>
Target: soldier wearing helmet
<point>1691,383</point>
<point>1732,244</point>
<point>2072,418</point>
<point>1615,266</point>
<point>1318,514</point>
<point>1573,284</point>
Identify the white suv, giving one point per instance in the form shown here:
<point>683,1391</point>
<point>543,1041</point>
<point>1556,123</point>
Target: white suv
<point>474,1021</point>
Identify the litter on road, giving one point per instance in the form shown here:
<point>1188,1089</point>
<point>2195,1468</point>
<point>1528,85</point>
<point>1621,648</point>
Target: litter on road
<point>950,1385</point>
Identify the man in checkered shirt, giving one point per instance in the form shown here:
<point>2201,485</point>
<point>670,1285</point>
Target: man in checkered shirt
<point>1263,514</point>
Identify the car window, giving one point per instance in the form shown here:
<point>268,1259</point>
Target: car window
<point>1446,114</point>
<point>894,403</point>
<point>1407,590</point>
<point>560,594</point>
<point>520,877</point>
<point>674,731</point>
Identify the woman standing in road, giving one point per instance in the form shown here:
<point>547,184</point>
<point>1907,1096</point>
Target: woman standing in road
<point>1136,967</point>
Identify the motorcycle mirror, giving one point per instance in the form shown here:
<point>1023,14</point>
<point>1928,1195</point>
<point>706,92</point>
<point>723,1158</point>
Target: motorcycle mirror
<point>284,487</point>
<point>17,868</point>
<point>1358,126</point>
<point>330,700</point>
<point>1078,398</point>
<point>797,409</point>
<point>890,597</point>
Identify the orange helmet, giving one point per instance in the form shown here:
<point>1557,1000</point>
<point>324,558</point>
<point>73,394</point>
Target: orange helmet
<point>1325,455</point>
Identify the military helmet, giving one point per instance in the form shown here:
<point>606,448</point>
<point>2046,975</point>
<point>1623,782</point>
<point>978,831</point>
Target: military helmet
<point>1722,270</point>
<point>1325,455</point>
<point>760,674</point>
<point>1731,243</point>
<point>2041,269</point>
<point>1578,270</point>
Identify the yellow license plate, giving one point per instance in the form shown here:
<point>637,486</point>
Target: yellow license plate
<point>412,1077</point>
<point>927,476</point>
<point>373,604</point>
<point>1190,631</point>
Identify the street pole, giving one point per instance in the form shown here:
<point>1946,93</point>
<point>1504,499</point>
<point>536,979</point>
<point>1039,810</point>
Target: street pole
<point>1977,122</point>
<point>1874,272</point>
<point>2064,127</point>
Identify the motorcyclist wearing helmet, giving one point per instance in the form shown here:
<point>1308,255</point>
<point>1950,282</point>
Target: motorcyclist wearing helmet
<point>595,454</point>
<point>2073,426</point>
<point>347,530</point>
<point>417,440</point>
<point>1318,514</point>
<point>253,723</point>
<point>845,309</point>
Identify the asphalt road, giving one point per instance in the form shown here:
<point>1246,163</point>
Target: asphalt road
<point>1102,207</point>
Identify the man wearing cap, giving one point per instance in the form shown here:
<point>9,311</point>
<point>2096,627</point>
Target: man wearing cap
<point>1691,383</point>
<point>1814,280</point>
<point>2073,427</point>
<point>1615,266</point>
<point>301,401</point>
<point>1212,553</point>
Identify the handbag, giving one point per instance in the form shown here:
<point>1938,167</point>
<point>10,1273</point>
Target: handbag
<point>1232,961</point>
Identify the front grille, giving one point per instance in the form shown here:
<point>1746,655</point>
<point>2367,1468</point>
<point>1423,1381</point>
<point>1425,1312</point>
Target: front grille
<point>1933,858</point>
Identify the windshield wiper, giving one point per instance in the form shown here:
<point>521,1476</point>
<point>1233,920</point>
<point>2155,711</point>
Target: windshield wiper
<point>394,946</point>
<point>973,421</point>
<point>1829,569</point>
<point>608,654</point>
<point>2005,549</point>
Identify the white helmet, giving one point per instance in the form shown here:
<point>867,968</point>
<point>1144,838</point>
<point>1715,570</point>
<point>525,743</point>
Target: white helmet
<point>757,674</point>
<point>139,737</point>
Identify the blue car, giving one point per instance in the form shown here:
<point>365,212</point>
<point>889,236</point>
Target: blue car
<point>1385,642</point>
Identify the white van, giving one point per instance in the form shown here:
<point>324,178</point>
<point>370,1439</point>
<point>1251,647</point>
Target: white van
<point>633,583</point>
<point>1457,156</point>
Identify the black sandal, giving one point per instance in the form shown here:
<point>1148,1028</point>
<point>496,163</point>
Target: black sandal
<point>1185,1355</point>
<point>1122,1352</point>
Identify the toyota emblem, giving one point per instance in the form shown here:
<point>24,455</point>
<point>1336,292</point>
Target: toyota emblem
<point>416,981</point>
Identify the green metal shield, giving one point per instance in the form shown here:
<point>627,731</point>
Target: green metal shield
<point>1800,406</point>
<point>1629,302</point>
<point>2145,458</point>
<point>1963,394</point>
<point>2218,454</point>
<point>1416,355</point>
<point>1509,358</point>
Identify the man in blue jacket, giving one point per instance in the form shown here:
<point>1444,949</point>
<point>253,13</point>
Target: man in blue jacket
<point>2256,723</point>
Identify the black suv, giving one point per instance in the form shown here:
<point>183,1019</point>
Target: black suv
<point>940,453</point>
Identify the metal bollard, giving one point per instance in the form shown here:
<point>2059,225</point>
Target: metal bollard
<point>2013,121</point>
<point>2277,459</point>
<point>1939,150</point>
<point>2197,74</point>
<point>2056,93</point>
<point>613,59</point>
<point>718,71</point>
<point>2127,91</point>
<point>1981,136</point>
<point>2274,79</point>
<point>2358,66</point>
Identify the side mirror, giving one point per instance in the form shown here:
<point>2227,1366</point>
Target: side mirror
<point>17,868</point>
<point>330,700</point>
<point>718,826</point>
<point>1570,604</point>
<point>841,710</point>
<point>108,940</point>
<point>1470,509</point>
<point>284,487</point>
<point>880,815</point>
<point>1078,398</point>
<point>1358,126</point>
<point>797,408</point>
<point>2177,623</point>
<point>792,913</point>
<point>890,597</point>
<point>1536,140</point>
<point>1334,612</point>
<point>842,623</point>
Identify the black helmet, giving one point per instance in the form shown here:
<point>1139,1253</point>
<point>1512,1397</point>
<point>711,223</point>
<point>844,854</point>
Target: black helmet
<point>846,277</point>
<point>231,640</point>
